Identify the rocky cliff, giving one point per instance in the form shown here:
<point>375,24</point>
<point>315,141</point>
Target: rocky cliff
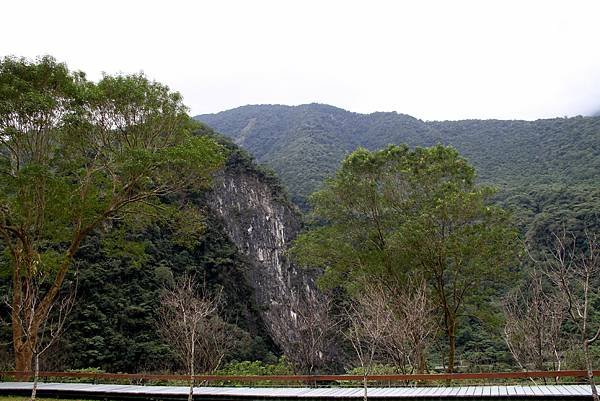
<point>262,223</point>
<point>249,225</point>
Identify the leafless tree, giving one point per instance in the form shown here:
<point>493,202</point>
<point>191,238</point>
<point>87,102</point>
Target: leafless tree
<point>188,321</point>
<point>412,326</point>
<point>534,318</point>
<point>214,344</point>
<point>306,330</point>
<point>41,337</point>
<point>576,273</point>
<point>369,324</point>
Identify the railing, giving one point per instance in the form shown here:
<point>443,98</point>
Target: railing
<point>306,379</point>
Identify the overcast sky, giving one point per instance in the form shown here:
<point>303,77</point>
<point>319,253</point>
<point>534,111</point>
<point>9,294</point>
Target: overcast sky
<point>430,59</point>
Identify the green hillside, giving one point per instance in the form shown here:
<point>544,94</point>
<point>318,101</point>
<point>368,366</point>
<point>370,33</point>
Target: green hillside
<point>113,323</point>
<point>542,168</point>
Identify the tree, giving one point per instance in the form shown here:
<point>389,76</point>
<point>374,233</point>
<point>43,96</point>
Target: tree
<point>369,325</point>
<point>53,327</point>
<point>189,323</point>
<point>413,324</point>
<point>309,342</point>
<point>575,271</point>
<point>77,157</point>
<point>534,323</point>
<point>390,213</point>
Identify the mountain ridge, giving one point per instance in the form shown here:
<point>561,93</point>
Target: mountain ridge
<point>304,145</point>
<point>268,130</point>
<point>326,105</point>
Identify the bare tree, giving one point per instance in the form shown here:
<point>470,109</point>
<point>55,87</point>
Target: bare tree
<point>412,324</point>
<point>188,322</point>
<point>369,324</point>
<point>214,344</point>
<point>576,273</point>
<point>41,337</point>
<point>534,318</point>
<point>305,329</point>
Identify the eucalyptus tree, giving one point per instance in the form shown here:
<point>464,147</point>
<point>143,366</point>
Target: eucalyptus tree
<point>75,156</point>
<point>397,213</point>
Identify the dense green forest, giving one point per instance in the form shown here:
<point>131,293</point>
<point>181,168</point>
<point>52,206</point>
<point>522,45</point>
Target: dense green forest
<point>102,208</point>
<point>545,170</point>
<point>113,324</point>
<point>116,194</point>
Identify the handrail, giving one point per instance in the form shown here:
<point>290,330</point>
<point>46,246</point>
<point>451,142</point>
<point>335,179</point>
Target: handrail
<point>309,378</point>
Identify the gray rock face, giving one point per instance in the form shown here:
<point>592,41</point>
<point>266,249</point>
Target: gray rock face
<point>262,225</point>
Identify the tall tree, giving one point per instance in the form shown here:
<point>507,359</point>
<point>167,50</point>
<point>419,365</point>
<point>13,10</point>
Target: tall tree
<point>75,156</point>
<point>390,213</point>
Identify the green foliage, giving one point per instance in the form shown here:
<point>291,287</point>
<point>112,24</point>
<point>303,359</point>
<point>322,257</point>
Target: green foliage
<point>77,158</point>
<point>384,210</point>
<point>395,213</point>
<point>545,170</point>
<point>74,154</point>
<point>376,369</point>
<point>542,159</point>
<point>113,324</point>
<point>122,271</point>
<point>257,368</point>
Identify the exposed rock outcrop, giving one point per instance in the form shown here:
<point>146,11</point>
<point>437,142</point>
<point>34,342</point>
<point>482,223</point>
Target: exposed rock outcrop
<point>262,223</point>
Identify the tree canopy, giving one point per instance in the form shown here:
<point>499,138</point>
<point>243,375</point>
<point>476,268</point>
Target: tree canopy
<point>395,213</point>
<point>76,156</point>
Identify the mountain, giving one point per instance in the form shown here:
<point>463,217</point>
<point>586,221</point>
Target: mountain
<point>529,161</point>
<point>249,223</point>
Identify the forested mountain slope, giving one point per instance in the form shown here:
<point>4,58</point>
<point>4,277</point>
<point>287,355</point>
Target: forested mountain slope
<point>249,222</point>
<point>537,165</point>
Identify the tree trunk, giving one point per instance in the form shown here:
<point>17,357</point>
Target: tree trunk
<point>191,394</point>
<point>36,377</point>
<point>422,363</point>
<point>590,371</point>
<point>34,315</point>
<point>192,362</point>
<point>365,387</point>
<point>451,349</point>
<point>23,354</point>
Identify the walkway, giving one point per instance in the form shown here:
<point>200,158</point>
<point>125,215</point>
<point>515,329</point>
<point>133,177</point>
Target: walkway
<point>113,391</point>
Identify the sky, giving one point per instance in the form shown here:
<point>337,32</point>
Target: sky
<point>435,60</point>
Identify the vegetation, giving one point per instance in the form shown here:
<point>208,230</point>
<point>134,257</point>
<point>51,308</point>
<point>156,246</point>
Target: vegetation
<point>104,189</point>
<point>74,156</point>
<point>396,214</point>
<point>189,323</point>
<point>545,170</point>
